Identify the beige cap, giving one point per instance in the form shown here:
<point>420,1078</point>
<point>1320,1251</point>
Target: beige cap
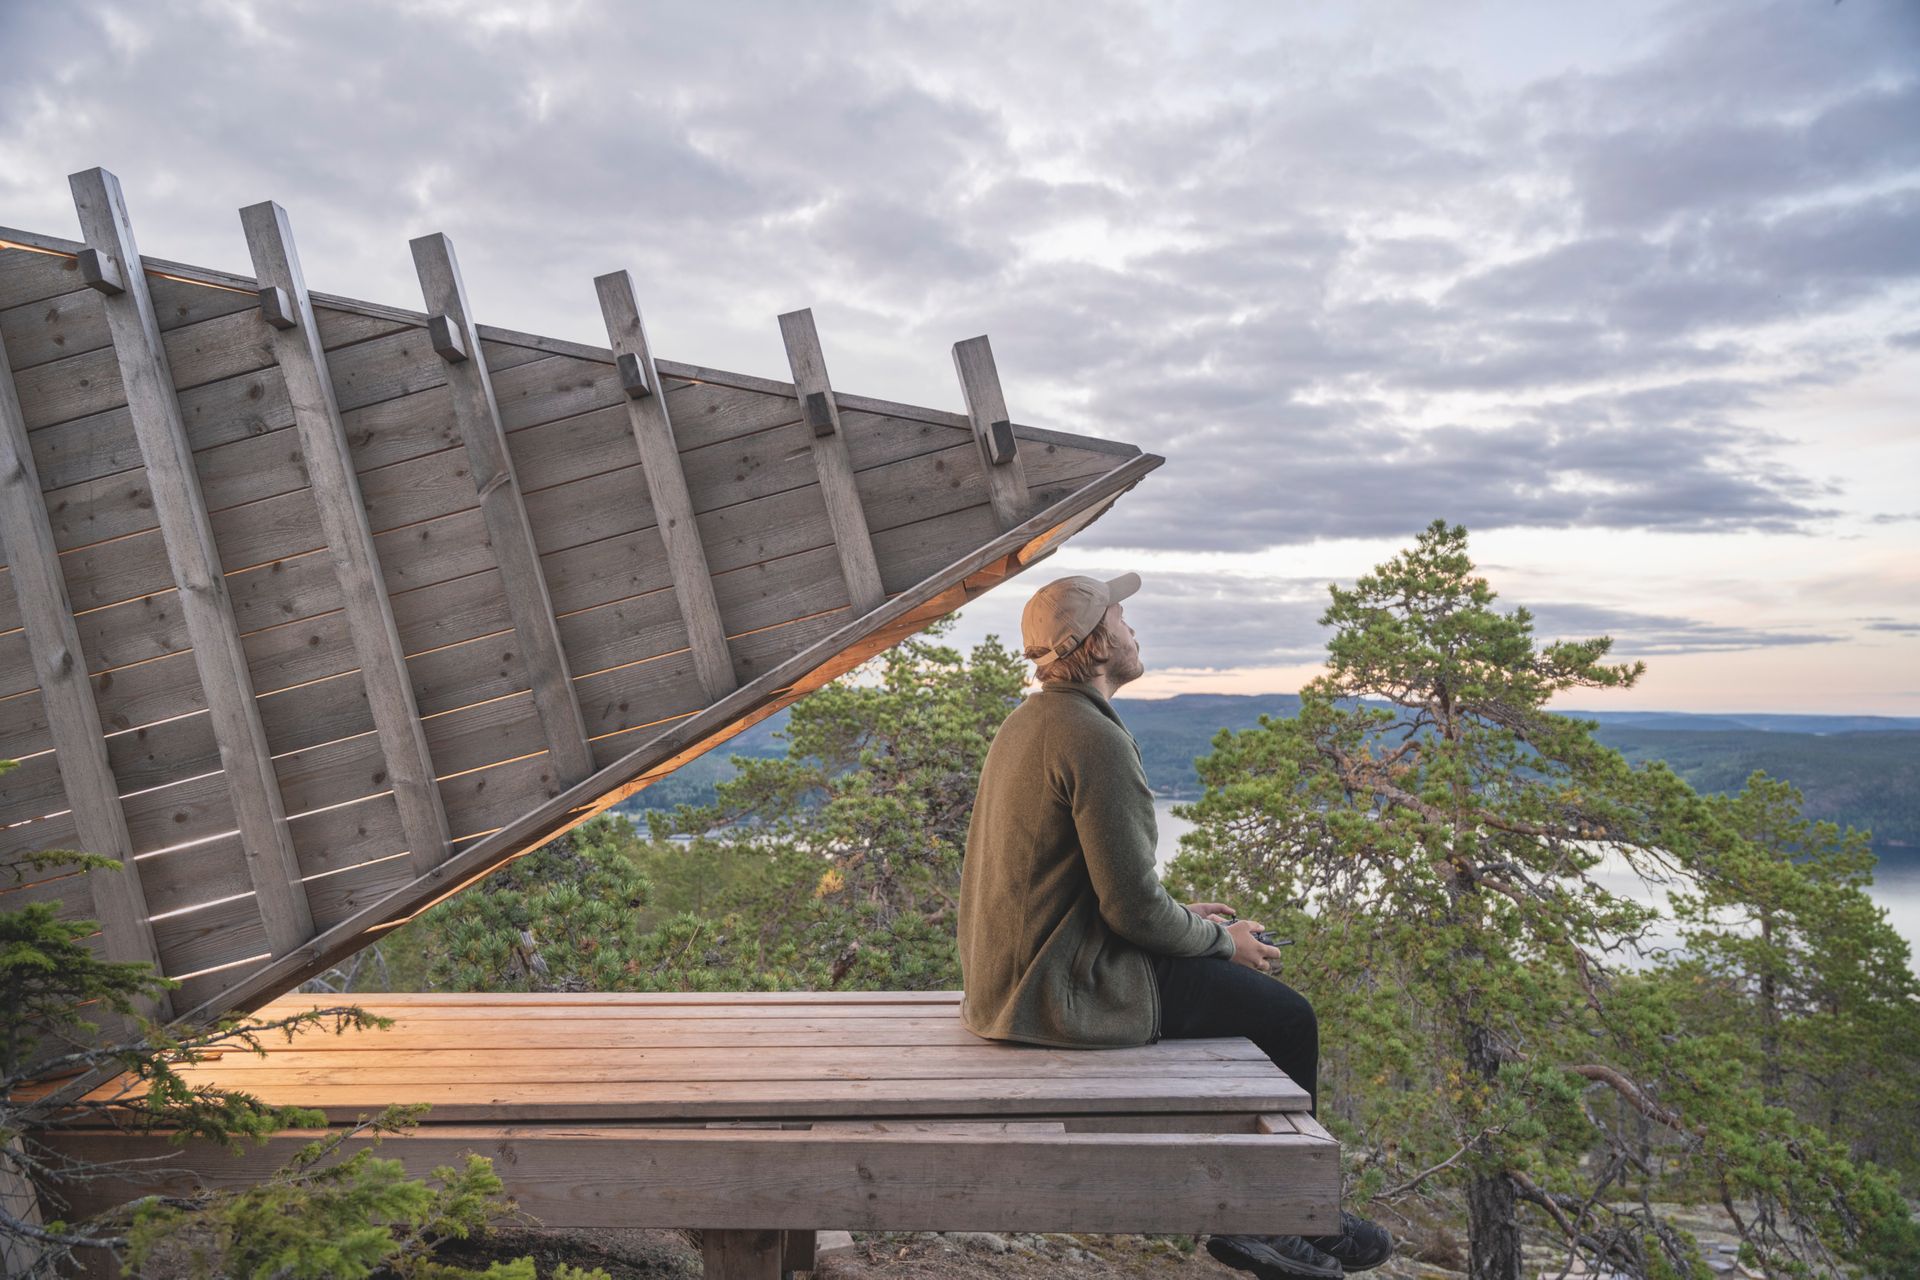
<point>1062,613</point>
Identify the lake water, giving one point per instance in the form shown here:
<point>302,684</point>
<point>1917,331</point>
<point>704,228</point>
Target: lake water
<point>1896,881</point>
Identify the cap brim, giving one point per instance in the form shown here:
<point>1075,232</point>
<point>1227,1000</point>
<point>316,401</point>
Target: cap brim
<point>1120,588</point>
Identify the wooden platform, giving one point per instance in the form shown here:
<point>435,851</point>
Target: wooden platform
<point>795,1112</point>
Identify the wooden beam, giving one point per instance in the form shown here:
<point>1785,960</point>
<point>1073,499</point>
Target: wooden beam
<point>73,716</point>
<point>505,514</point>
<point>992,430</point>
<point>343,518</point>
<point>181,512</point>
<point>667,485</point>
<point>850,534</point>
<point>577,1175</point>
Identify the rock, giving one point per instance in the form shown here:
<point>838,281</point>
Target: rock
<point>829,1242</point>
<point>987,1240</point>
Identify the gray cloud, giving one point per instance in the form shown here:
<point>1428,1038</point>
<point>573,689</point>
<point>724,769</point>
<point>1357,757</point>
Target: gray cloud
<point>1263,254</point>
<point>1189,620</point>
<point>1638,635</point>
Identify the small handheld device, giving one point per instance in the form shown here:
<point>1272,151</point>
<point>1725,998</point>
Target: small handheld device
<point>1266,936</point>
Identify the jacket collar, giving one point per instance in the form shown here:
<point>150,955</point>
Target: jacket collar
<point>1088,691</point>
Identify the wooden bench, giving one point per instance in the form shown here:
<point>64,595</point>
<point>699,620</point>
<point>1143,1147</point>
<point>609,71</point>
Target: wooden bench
<point>761,1118</point>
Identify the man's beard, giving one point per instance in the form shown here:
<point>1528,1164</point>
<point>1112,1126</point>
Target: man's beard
<point>1130,671</point>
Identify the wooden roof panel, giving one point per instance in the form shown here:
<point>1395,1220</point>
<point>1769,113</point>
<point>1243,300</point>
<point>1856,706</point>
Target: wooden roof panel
<point>783,504</point>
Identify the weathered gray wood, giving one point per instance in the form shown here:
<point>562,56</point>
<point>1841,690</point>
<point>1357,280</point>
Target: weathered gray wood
<point>195,562</point>
<point>987,410</point>
<point>830,457</point>
<point>667,486</point>
<point>343,517</point>
<point>767,1179</point>
<point>67,696</point>
<point>98,272</point>
<point>506,516</point>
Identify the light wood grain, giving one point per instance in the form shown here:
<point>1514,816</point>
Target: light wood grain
<point>195,564</point>
<point>986,405</point>
<point>506,517</point>
<point>67,698</point>
<point>831,460</point>
<point>336,491</point>
<point>666,485</point>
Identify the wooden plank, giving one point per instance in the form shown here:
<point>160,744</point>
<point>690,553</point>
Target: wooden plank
<point>987,410</point>
<point>775,1179</point>
<point>30,274</point>
<point>73,323</point>
<point>684,1003</point>
<point>830,456</point>
<point>66,697</point>
<point>592,1032</point>
<point>195,563</point>
<point>667,486</point>
<point>342,1097</point>
<point>406,1067</point>
<point>506,516</point>
<point>788,521</point>
<point>336,491</point>
<point>741,1255</point>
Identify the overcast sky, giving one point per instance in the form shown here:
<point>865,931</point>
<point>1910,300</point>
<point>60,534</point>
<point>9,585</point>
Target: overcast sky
<point>1630,290</point>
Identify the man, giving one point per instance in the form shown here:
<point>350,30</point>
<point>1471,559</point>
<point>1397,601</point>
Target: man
<point>1067,937</point>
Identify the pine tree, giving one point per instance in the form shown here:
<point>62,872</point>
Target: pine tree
<point>1437,839</point>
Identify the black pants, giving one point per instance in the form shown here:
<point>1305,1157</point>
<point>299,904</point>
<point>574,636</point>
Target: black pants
<point>1207,997</point>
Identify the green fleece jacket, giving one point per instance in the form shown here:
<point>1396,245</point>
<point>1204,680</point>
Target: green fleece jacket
<point>1059,903</point>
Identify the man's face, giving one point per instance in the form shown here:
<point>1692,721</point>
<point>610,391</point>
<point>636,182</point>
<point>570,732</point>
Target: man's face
<point>1125,664</point>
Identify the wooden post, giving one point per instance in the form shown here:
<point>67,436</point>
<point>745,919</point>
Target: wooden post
<point>73,716</point>
<point>181,512</point>
<point>850,535</point>
<point>797,1251</point>
<point>740,1255</point>
<point>343,517</point>
<point>667,485</point>
<point>505,514</point>
<point>992,429</point>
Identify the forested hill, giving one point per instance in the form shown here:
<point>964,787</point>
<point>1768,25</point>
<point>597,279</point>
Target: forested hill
<point>1862,771</point>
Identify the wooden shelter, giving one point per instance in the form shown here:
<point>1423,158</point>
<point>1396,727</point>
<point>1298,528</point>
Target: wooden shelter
<point>316,610</point>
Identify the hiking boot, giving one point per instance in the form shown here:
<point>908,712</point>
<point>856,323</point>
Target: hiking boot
<point>1360,1246</point>
<point>1275,1257</point>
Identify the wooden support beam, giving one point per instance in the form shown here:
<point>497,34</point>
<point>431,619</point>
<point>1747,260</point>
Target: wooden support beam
<point>73,716</point>
<point>849,519</point>
<point>505,514</point>
<point>992,429</point>
<point>667,485</point>
<point>181,513</point>
<point>343,518</point>
<point>741,1255</point>
<point>797,1250</point>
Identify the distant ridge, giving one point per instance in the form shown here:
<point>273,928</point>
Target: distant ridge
<point>1765,722</point>
<point>1862,771</point>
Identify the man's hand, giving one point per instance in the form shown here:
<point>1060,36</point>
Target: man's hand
<point>1249,950</point>
<point>1217,911</point>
